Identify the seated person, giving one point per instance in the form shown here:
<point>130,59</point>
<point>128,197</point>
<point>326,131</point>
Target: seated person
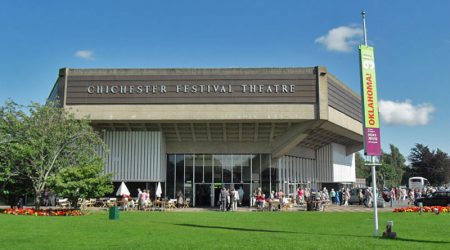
<point>131,204</point>
<point>125,200</point>
<point>261,200</point>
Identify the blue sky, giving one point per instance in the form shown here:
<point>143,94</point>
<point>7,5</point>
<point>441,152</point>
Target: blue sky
<point>412,47</point>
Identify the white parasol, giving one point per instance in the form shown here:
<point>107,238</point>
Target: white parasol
<point>122,190</point>
<point>158,190</point>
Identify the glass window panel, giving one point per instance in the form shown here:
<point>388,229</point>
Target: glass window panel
<point>256,162</point>
<point>227,168</point>
<point>274,176</point>
<point>217,162</point>
<point>246,170</point>
<point>198,168</point>
<point>237,172</point>
<point>265,173</point>
<point>208,168</point>
<point>170,175</point>
<point>189,176</point>
<point>189,164</point>
<point>179,159</point>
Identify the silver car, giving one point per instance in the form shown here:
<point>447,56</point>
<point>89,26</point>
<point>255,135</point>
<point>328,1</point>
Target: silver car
<point>354,198</point>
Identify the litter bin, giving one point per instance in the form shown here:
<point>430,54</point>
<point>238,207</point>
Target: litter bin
<point>114,213</point>
<point>309,206</point>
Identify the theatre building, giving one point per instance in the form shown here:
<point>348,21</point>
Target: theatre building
<point>195,130</point>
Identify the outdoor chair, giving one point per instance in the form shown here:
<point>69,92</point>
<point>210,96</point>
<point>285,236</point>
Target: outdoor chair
<point>63,203</point>
<point>91,202</point>
<point>111,202</point>
<point>186,203</point>
<point>81,203</point>
<point>171,203</point>
<point>148,206</point>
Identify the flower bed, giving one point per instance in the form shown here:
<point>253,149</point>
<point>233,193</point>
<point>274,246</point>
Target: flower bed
<point>426,209</point>
<point>47,212</point>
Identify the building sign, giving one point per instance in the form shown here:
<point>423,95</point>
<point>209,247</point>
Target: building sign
<point>187,88</point>
<point>372,144</point>
<point>201,89</point>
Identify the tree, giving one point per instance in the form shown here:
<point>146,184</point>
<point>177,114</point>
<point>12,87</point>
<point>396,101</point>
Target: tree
<point>12,185</point>
<point>433,165</point>
<point>362,171</point>
<point>43,141</point>
<point>393,167</point>
<point>390,172</point>
<point>83,181</point>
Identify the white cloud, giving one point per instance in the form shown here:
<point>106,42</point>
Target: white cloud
<point>85,54</point>
<point>405,113</point>
<point>341,39</point>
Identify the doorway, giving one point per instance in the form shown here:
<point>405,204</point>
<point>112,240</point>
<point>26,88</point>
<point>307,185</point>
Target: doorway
<point>203,195</point>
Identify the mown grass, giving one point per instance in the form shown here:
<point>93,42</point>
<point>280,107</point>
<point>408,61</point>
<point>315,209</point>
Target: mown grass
<point>217,230</point>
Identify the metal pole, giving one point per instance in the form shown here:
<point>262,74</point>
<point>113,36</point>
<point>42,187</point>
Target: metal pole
<point>363,13</point>
<point>375,196</point>
<point>374,172</point>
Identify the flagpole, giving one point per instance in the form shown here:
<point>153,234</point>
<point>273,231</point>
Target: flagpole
<point>363,13</point>
<point>372,158</point>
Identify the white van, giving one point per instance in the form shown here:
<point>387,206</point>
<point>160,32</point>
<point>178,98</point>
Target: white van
<point>417,182</point>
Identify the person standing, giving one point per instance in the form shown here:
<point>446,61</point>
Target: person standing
<point>234,196</point>
<point>411,197</point>
<point>360,196</point>
<point>301,196</point>
<point>241,195</point>
<point>180,199</point>
<point>140,202</point>
<point>223,199</point>
<point>325,194</point>
<point>333,196</point>
<point>145,197</point>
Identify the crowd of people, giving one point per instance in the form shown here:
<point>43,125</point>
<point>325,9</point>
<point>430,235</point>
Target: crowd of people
<point>277,200</point>
<point>401,193</point>
<point>229,198</point>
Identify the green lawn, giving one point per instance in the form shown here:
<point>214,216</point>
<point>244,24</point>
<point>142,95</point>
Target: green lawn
<point>210,230</point>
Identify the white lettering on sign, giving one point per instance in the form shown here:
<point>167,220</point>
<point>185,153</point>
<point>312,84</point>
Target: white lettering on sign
<point>98,89</point>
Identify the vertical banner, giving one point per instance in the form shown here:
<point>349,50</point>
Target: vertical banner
<point>372,144</point>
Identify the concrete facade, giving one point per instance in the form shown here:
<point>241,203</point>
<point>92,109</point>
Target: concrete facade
<point>292,115</point>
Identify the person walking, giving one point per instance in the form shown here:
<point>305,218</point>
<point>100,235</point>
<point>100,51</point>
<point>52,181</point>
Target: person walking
<point>346,197</point>
<point>369,197</point>
<point>338,197</point>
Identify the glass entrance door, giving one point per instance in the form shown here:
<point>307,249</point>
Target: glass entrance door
<point>203,195</point>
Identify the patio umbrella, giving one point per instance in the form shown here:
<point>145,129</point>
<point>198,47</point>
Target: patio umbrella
<point>122,190</point>
<point>158,190</point>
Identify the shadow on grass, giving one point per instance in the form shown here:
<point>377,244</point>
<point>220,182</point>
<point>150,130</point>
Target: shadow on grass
<point>236,228</point>
<point>398,238</point>
<point>424,241</point>
<point>304,233</point>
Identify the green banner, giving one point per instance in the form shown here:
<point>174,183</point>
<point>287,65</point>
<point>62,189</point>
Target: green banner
<point>372,145</point>
<point>369,87</point>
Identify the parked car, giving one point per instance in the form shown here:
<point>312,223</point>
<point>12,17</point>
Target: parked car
<point>438,198</point>
<point>354,199</point>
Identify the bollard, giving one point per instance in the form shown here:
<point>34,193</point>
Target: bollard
<point>420,208</point>
<point>388,233</point>
<point>436,211</point>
